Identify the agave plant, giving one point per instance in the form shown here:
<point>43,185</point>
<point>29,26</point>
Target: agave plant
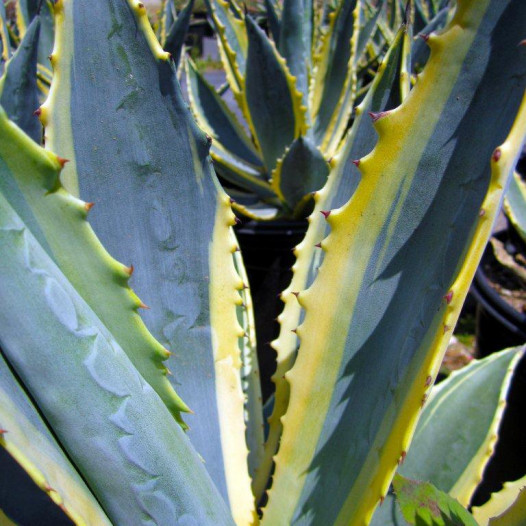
<point>89,408</point>
<point>296,90</point>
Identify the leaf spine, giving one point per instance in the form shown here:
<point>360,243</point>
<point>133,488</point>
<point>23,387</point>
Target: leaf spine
<point>356,162</point>
<point>448,297</point>
<point>325,213</point>
<point>378,115</point>
<point>496,155</point>
<point>88,206</point>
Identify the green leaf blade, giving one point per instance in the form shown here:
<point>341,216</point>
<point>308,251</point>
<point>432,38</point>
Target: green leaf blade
<point>271,97</point>
<point>423,504</point>
<point>28,440</point>
<point>174,42</point>
<point>18,87</point>
<point>145,164</point>
<point>397,270</point>
<point>139,469</point>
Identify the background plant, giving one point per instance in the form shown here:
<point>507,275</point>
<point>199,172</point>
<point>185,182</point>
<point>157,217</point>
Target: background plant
<point>383,277</point>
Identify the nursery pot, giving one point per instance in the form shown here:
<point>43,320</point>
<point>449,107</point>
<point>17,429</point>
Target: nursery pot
<point>267,253</point>
<point>498,324</point>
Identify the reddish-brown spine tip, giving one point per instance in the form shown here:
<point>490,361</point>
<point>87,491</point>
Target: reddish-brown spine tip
<point>522,42</point>
<point>429,380</point>
<point>402,458</point>
<point>382,498</point>
<point>3,431</point>
<point>129,270</point>
<point>325,213</point>
<point>496,155</point>
<point>232,201</point>
<point>448,297</point>
<point>37,112</point>
<point>62,161</point>
<point>318,245</point>
<point>446,328</point>
<point>423,401</point>
<point>424,36</point>
<point>88,206</point>
<point>238,221</point>
<point>482,212</point>
<point>140,5</point>
<point>143,306</point>
<point>295,294</point>
<point>356,162</point>
<point>378,115</point>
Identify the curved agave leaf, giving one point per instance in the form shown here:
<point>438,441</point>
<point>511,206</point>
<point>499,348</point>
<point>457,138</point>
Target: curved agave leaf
<point>332,66</point>
<point>459,425</point>
<point>465,410</point>
<point>5,520</point>
<point>250,373</point>
<point>342,183</point>
<point>276,115</point>
<point>232,43</point>
<point>27,10</point>
<point>396,258</point>
<point>174,42</point>
<point>301,171</point>
<point>273,17</point>
<point>241,174</point>
<point>515,204</point>
<point>168,16</point>
<point>293,46</point>
<point>420,53</point>
<point>499,504</point>
<point>27,438</point>
<point>18,86</point>
<point>144,162</point>
<point>5,47</point>
<point>140,469</point>
<point>216,119</point>
<point>342,113</point>
<point>27,177</point>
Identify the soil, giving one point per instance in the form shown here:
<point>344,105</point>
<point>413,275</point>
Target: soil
<point>506,280</point>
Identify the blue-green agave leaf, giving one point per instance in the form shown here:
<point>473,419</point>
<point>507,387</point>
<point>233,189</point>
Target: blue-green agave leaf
<point>459,425</point>
<point>273,19</point>
<point>342,183</point>
<point>515,204</point>
<point>174,42</point>
<point>27,438</point>
<point>159,206</point>
<point>333,69</point>
<point>27,10</point>
<point>5,46</point>
<point>302,171</point>
<point>216,119</point>
<point>292,45</point>
<point>140,469</point>
<point>18,86</point>
<point>420,50</point>
<point>379,313</point>
<point>271,97</point>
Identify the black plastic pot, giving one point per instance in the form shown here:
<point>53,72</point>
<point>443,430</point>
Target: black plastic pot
<point>267,253</point>
<point>498,324</point>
